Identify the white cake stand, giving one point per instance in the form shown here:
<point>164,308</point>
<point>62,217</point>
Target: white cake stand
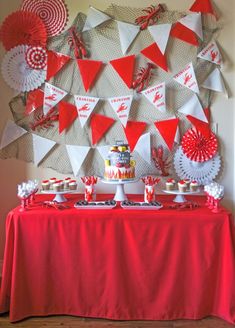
<point>179,198</point>
<point>120,192</point>
<point>59,195</point>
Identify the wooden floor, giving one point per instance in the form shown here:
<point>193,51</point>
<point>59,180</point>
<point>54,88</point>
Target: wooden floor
<point>72,322</point>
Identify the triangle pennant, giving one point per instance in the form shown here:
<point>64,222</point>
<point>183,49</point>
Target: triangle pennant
<point>160,34</point>
<point>103,150</point>
<point>94,18</point>
<point>153,53</point>
<point>211,53</point>
<point>34,101</point>
<point>11,133</point>
<point>52,96</point>
<point>168,130</point>
<point>202,126</point>
<point>41,147</point>
<point>125,68</point>
<point>194,23</point>
<point>67,115</point>
<point>77,155</point>
<point>55,62</point>
<point>143,147</point>
<point>194,108</point>
<point>157,96</point>
<point>133,131</point>
<point>127,34</point>
<point>85,106</point>
<point>203,6</point>
<point>179,31</point>
<point>187,78</point>
<point>100,124</point>
<point>121,106</point>
<point>215,82</point>
<point>89,70</point>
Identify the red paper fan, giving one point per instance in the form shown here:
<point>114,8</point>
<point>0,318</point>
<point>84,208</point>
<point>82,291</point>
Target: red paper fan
<point>36,57</point>
<point>23,27</point>
<point>197,147</point>
<point>54,14</point>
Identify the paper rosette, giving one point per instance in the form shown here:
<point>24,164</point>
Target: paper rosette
<point>198,147</point>
<point>17,74</point>
<point>22,27</point>
<point>53,13</point>
<point>36,57</point>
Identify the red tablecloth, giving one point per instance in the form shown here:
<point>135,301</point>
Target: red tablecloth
<point>119,264</point>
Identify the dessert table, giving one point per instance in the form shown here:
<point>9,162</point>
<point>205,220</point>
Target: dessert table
<point>118,264</point>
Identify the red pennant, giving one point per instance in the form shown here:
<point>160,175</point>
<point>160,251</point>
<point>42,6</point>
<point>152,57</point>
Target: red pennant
<point>153,53</point>
<point>55,62</point>
<point>133,132</point>
<point>89,70</point>
<point>125,68</point>
<point>67,115</point>
<point>202,126</point>
<point>183,33</point>
<point>208,114</point>
<point>168,130</point>
<point>99,126</point>
<point>203,6</point>
<point>34,101</point>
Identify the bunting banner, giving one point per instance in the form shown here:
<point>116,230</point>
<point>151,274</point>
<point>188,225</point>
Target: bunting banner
<point>211,53</point>
<point>77,155</point>
<point>85,106</point>
<point>67,115</point>
<point>89,70</point>
<point>103,151</point>
<point>11,133</point>
<point>94,18</point>
<point>160,34</point>
<point>55,62</point>
<point>133,131</point>
<point>194,108</point>
<point>203,6</point>
<point>202,126</point>
<point>125,68</point>
<point>154,53</point>
<point>143,147</point>
<point>41,147</point>
<point>52,96</point>
<point>215,82</point>
<point>187,78</point>
<point>127,34</point>
<point>121,106</point>
<point>157,96</point>
<point>183,33</point>
<point>34,101</point>
<point>100,124</point>
<point>194,23</point>
<point>169,131</point>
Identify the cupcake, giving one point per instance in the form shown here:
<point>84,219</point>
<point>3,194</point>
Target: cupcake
<point>72,185</point>
<point>61,185</point>
<point>170,184</point>
<point>193,186</point>
<point>66,183</point>
<point>187,181</point>
<point>56,186</point>
<point>45,185</point>
<point>52,180</point>
<point>182,186</point>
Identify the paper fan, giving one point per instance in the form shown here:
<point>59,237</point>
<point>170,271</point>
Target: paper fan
<point>17,74</point>
<point>198,147</point>
<point>23,27</point>
<point>54,14</point>
<point>203,173</point>
<point>36,57</point>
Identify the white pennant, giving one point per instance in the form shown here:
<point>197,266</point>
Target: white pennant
<point>194,23</point>
<point>77,155</point>
<point>11,133</point>
<point>85,106</point>
<point>41,147</point>
<point>52,96</point>
<point>215,82</point>
<point>194,108</point>
<point>143,147</point>
<point>94,18</point>
<point>103,150</point>
<point>187,78</point>
<point>127,34</point>
<point>211,53</point>
<point>160,34</point>
<point>157,96</point>
<point>121,106</point>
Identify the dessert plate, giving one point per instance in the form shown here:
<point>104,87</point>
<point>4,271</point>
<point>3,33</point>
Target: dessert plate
<point>129,205</point>
<point>102,205</point>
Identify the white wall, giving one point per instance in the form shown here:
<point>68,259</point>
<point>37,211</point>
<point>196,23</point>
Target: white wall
<point>13,171</point>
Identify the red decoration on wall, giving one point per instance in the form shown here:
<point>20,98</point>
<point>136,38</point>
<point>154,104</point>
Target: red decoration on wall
<point>34,101</point>
<point>168,129</point>
<point>143,77</point>
<point>151,16</point>
<point>201,126</point>
<point>203,6</point>
<point>183,33</point>
<point>99,126</point>
<point>67,115</point>
<point>133,132</point>
<point>153,53</point>
<point>125,68</point>
<point>89,70</point>
<point>55,62</point>
<point>207,112</point>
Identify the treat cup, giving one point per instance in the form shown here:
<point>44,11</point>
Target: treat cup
<point>149,194</point>
<point>90,194</point>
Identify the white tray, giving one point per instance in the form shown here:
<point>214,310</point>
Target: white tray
<point>141,207</point>
<point>94,207</point>
<point>59,195</point>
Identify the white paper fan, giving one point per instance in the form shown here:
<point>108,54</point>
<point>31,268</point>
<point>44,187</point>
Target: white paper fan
<point>202,172</point>
<point>16,72</point>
